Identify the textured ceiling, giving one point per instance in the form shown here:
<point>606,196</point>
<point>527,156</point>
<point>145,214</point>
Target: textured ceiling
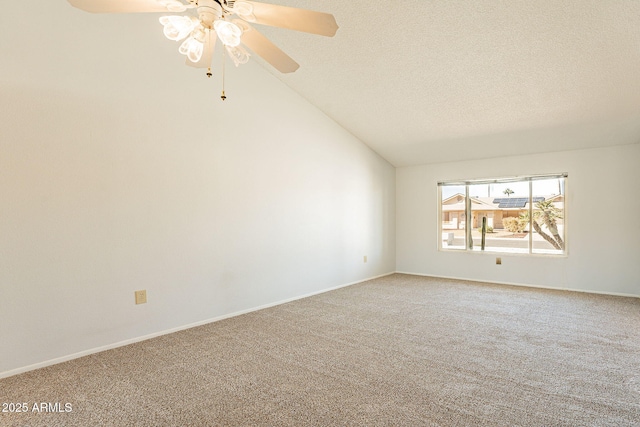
<point>419,81</point>
<point>425,81</point>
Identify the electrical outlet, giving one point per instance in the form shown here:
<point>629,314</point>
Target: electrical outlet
<point>365,258</point>
<point>141,297</point>
<point>498,260</point>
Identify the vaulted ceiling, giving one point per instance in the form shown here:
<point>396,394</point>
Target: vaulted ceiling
<point>419,81</point>
<point>424,81</point>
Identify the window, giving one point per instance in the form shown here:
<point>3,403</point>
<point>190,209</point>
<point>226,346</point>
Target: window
<point>509,215</point>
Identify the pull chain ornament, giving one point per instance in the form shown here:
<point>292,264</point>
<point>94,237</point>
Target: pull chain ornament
<point>223,96</point>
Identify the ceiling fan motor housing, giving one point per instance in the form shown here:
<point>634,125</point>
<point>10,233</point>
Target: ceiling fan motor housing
<point>209,11</point>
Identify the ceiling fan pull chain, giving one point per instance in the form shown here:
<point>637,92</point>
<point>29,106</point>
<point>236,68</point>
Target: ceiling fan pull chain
<point>223,96</point>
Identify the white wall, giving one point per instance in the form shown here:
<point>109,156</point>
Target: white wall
<point>120,169</point>
<point>602,222</point>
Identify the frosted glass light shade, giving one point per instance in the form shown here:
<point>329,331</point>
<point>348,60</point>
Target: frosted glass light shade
<point>192,48</point>
<point>229,33</point>
<point>199,33</point>
<point>173,5</point>
<point>244,10</point>
<point>177,27</point>
<point>238,54</point>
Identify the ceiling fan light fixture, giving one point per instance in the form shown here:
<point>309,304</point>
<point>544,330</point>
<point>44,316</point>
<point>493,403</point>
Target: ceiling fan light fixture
<point>230,19</point>
<point>244,10</point>
<point>238,54</point>
<point>177,27</point>
<point>173,5</point>
<point>244,27</point>
<point>199,33</point>
<point>193,48</point>
<point>228,32</point>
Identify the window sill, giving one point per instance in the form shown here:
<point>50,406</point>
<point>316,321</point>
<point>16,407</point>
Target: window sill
<point>506,251</point>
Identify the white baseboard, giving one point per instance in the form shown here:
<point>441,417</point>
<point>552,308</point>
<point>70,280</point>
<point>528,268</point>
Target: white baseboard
<point>170,331</point>
<point>526,285</point>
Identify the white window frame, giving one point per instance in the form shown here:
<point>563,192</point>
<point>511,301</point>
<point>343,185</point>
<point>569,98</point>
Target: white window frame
<point>468,214</point>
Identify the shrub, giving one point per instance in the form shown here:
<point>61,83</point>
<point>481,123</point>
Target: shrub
<point>489,229</point>
<point>514,225</point>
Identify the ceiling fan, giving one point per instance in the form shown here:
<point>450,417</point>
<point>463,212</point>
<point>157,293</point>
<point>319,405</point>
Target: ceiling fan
<point>227,20</point>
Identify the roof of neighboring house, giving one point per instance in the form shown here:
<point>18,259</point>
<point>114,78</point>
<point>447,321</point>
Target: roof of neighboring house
<point>456,203</point>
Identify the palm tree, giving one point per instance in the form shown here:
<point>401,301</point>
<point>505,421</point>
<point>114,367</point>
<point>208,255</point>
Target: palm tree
<point>508,192</point>
<point>548,215</point>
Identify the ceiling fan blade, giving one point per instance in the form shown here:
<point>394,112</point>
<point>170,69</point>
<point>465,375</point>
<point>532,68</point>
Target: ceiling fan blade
<point>263,47</point>
<point>207,52</point>
<point>119,6</point>
<point>291,18</point>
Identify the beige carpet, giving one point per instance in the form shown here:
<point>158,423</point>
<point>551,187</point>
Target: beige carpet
<point>397,351</point>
